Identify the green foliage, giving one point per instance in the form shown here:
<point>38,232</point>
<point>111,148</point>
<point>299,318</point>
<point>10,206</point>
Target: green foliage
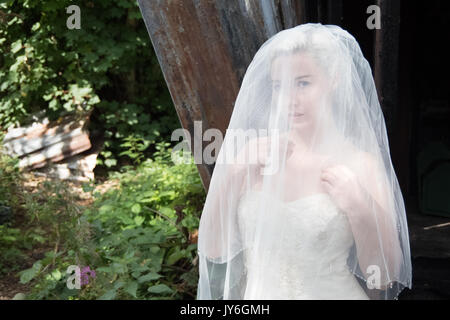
<point>130,130</point>
<point>135,236</point>
<point>11,240</point>
<point>11,249</point>
<point>10,180</point>
<point>108,65</point>
<point>142,229</point>
<point>48,222</point>
<point>54,225</point>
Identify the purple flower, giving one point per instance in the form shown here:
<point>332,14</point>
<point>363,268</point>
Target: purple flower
<point>86,272</point>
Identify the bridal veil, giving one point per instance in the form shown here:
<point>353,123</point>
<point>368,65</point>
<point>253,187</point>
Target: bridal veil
<point>306,121</point>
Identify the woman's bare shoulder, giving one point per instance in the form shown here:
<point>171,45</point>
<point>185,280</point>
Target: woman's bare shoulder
<point>369,167</point>
<point>363,161</point>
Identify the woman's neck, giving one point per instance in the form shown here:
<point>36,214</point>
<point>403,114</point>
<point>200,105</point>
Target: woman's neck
<point>304,141</point>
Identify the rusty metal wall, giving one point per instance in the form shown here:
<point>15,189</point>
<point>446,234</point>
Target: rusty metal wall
<point>205,46</point>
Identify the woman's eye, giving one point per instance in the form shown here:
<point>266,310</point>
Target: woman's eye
<point>302,84</point>
<point>276,87</point>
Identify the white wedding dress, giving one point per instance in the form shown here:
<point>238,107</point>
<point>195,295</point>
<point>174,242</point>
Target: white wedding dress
<point>315,246</point>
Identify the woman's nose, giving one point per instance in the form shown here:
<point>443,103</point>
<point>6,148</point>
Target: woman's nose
<point>294,101</point>
<point>290,97</point>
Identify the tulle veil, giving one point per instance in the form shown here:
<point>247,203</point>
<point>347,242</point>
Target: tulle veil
<point>307,102</point>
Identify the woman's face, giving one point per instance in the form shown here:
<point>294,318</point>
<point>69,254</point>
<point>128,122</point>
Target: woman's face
<point>299,86</point>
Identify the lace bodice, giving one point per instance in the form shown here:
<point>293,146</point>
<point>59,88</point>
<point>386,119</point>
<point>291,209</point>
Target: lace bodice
<point>312,251</point>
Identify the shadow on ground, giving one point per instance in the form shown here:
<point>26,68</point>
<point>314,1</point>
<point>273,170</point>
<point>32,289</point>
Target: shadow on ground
<point>430,251</point>
<point>431,280</point>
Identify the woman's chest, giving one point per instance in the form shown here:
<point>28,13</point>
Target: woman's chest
<point>299,177</point>
<point>311,222</point>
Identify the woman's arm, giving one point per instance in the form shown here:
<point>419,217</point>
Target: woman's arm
<point>227,192</point>
<point>366,199</point>
<point>372,224</point>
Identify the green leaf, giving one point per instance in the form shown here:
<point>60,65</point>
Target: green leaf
<point>104,269</point>
<point>106,208</point>
<point>160,288</point>
<point>119,267</point>
<point>131,288</point>
<point>36,26</point>
<point>139,220</point>
<point>166,210</point>
<point>129,254</point>
<point>79,92</point>
<point>125,219</point>
<point>174,257</point>
<point>20,296</point>
<point>118,285</point>
<point>109,295</point>
<point>110,162</point>
<point>16,46</point>
<point>129,233</point>
<point>28,275</point>
<point>136,208</point>
<point>144,239</point>
<point>53,104</point>
<point>149,277</point>
<point>56,274</point>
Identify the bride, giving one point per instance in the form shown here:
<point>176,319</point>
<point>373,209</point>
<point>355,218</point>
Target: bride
<point>304,202</point>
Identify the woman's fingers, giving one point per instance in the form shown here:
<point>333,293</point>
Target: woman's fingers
<point>333,177</point>
<point>327,182</point>
<point>328,186</point>
<point>328,175</point>
<point>338,173</point>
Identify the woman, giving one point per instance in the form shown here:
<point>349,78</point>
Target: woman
<point>304,202</point>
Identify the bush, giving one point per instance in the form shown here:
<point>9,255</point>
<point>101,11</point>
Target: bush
<point>139,237</point>
<point>11,240</point>
<point>108,65</point>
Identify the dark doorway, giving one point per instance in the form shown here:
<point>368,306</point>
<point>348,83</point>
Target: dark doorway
<point>423,121</point>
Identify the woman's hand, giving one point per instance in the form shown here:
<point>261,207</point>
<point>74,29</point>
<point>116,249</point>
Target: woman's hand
<point>343,186</point>
<point>369,216</point>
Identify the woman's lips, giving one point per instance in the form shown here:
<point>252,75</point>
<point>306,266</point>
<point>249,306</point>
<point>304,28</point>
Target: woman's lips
<point>296,114</point>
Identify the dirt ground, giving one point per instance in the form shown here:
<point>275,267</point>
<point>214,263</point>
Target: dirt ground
<point>430,251</point>
<point>431,280</point>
